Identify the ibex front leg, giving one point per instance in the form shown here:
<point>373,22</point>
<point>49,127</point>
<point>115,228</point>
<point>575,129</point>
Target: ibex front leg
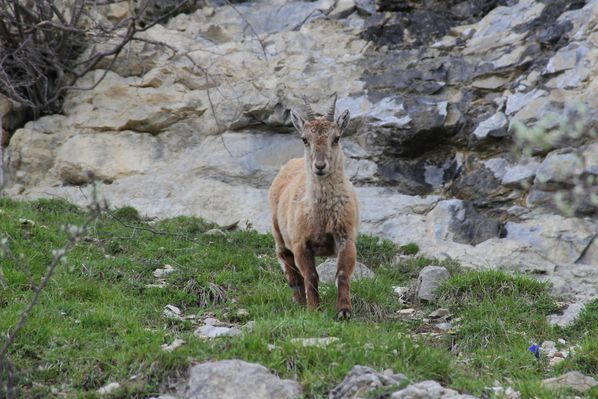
<point>344,269</point>
<point>306,261</point>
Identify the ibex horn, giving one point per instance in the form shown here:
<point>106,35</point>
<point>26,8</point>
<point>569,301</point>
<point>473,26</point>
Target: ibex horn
<point>308,110</point>
<point>330,114</point>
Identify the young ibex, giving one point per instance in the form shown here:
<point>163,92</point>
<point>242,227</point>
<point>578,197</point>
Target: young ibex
<point>314,210</point>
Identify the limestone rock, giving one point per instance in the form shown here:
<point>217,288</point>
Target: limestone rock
<point>109,388</point>
<point>458,221</point>
<point>327,272</point>
<point>558,170</point>
<point>210,331</point>
<point>520,175</point>
<point>315,342</point>
<point>572,380</point>
<point>495,126</point>
<point>429,280</point>
<point>236,379</point>
<point>428,390</point>
<point>558,238</point>
<point>568,316</point>
<point>360,380</point>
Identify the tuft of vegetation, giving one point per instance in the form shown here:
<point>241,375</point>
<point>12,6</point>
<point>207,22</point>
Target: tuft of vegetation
<point>127,214</point>
<point>101,318</point>
<point>409,249</point>
<point>375,252</point>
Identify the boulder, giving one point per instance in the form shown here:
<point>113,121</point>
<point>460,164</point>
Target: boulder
<point>429,280</point>
<point>495,126</point>
<point>573,380</point>
<point>361,380</point>
<point>558,171</point>
<point>428,390</point>
<point>568,316</point>
<point>327,272</point>
<point>456,220</point>
<point>560,239</point>
<point>237,379</point>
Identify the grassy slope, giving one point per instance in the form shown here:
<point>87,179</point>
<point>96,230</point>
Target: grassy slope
<point>97,322</point>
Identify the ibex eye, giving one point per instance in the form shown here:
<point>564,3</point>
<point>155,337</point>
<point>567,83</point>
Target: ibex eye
<point>304,140</point>
<point>336,139</point>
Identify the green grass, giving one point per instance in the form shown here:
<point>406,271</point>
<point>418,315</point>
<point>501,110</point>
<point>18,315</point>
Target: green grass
<point>97,322</point>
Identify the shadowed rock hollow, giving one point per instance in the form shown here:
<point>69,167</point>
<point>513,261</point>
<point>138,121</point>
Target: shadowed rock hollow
<point>435,93</point>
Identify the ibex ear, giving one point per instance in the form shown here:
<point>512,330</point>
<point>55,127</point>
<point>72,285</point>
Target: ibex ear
<point>297,121</point>
<point>343,120</point>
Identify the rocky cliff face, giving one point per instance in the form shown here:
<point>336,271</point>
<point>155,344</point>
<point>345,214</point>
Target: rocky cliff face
<point>438,93</point>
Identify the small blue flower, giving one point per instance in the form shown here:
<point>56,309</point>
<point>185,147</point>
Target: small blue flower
<point>535,349</point>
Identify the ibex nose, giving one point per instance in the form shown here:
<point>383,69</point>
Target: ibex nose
<point>320,165</point>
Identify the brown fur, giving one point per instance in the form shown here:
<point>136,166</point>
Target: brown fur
<point>315,216</point>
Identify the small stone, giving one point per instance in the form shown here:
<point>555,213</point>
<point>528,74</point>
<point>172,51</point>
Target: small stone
<point>407,311</point>
<point>109,388</point>
<point>440,313</point>
<point>444,326</point>
<point>211,321</point>
<point>175,344</point>
<point>26,222</point>
<point>401,291</point>
<point>172,312</point>
<point>510,393</point>
<point>548,348</point>
<point>242,313</point>
<point>430,279</point>
<point>361,379</point>
<point>573,380</point>
<point>561,341</point>
<point>215,232</point>
<point>314,342</point>
<point>209,331</point>
<point>249,326</point>
<point>164,271</point>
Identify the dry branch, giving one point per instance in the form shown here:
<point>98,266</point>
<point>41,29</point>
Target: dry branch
<point>42,48</point>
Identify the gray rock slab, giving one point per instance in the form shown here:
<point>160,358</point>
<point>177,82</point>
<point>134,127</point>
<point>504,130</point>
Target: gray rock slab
<point>572,380</point>
<point>209,331</point>
<point>361,379</point>
<point>520,175</point>
<point>327,272</point>
<point>569,315</point>
<point>429,280</point>
<point>428,390</point>
<point>560,239</point>
<point>495,126</point>
<point>237,379</point>
<point>457,220</point>
<point>558,170</point>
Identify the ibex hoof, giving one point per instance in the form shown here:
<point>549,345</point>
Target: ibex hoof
<point>343,314</point>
